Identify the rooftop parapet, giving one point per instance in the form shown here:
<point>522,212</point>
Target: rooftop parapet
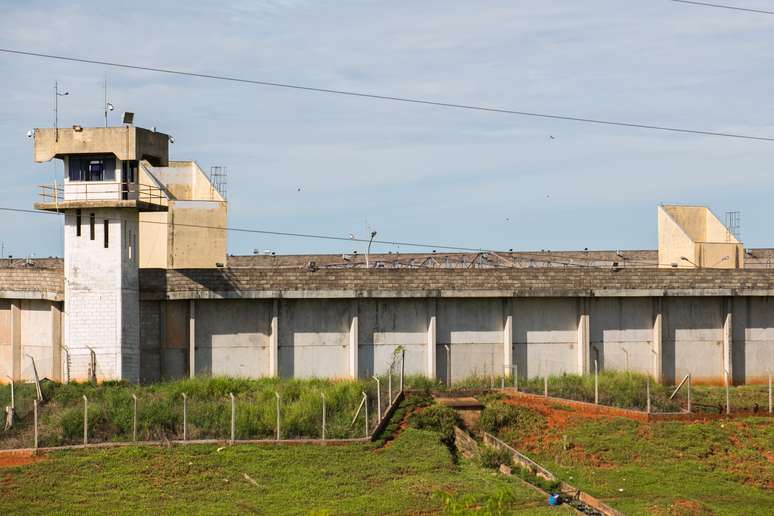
<point>693,237</point>
<point>127,143</point>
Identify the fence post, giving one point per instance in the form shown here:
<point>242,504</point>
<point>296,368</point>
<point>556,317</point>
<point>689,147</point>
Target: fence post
<point>134,418</point>
<point>35,410</point>
<point>389,381</point>
<point>515,376</point>
<point>596,382</point>
<point>647,393</point>
<point>545,386</point>
<point>689,393</point>
<point>365,403</point>
<point>13,395</point>
<point>233,417</point>
<point>770,407</point>
<point>448,364</point>
<point>323,421</point>
<point>728,395</point>
<point>185,416</point>
<point>85,420</point>
<point>378,398</point>
<point>402,367</point>
<point>276,394</point>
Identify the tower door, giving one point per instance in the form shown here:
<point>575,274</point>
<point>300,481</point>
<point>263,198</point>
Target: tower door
<point>128,173</point>
<point>125,180</point>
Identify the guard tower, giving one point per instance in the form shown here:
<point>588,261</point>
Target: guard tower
<point>105,190</point>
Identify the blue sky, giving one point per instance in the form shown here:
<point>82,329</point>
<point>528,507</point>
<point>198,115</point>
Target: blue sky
<point>411,172</point>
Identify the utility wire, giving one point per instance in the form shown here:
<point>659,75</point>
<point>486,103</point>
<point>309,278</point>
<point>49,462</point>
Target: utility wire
<point>545,258</point>
<point>391,98</point>
<point>282,233</point>
<point>721,6</point>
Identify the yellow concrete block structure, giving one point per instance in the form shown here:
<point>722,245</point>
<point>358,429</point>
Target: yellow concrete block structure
<point>187,235</point>
<point>693,237</point>
<point>181,213</point>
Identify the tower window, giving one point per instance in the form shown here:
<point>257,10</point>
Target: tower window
<point>107,233</point>
<point>96,168</point>
<point>92,222</point>
<point>77,222</point>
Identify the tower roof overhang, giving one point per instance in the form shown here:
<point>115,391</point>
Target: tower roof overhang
<point>126,143</point>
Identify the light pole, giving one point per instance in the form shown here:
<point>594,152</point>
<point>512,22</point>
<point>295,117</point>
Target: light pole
<point>683,258</point>
<point>108,105</point>
<point>368,250</point>
<point>56,108</point>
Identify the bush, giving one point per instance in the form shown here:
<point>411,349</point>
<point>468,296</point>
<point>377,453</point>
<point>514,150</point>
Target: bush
<point>438,418</point>
<point>498,415</point>
<point>493,457</point>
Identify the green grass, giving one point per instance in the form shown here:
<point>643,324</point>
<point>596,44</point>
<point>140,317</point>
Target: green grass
<point>414,474</point>
<point>160,410</point>
<point>711,467</point>
<point>629,390</point>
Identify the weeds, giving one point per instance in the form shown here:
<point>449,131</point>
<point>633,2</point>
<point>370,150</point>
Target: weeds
<point>160,409</point>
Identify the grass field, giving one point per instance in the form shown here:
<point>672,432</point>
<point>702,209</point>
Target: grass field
<point>629,390</point>
<point>413,474</point>
<point>718,466</point>
<point>160,410</point>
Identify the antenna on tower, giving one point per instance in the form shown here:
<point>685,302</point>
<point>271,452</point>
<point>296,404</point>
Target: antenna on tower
<point>57,94</point>
<point>219,181</point>
<point>733,225</point>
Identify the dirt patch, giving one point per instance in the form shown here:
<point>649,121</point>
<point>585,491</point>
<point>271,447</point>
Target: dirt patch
<point>681,506</point>
<point>557,417</point>
<point>11,461</point>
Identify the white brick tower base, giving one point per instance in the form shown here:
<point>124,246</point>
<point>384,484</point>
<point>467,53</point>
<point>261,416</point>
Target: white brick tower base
<point>102,293</point>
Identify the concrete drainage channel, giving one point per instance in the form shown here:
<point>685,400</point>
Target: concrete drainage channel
<point>571,495</point>
<point>469,410</point>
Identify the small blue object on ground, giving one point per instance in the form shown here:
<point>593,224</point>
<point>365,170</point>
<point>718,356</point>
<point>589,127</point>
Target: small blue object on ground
<point>554,499</point>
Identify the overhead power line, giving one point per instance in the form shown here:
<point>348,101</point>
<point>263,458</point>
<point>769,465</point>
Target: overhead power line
<point>285,233</point>
<point>391,98</point>
<point>544,257</point>
<point>721,6</point>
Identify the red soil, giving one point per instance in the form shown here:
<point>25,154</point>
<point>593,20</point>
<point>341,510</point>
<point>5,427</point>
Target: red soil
<point>12,460</point>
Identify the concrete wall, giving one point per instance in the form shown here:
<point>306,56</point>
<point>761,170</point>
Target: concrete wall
<point>232,337</point>
<point>36,339</point>
<point>30,328</point>
<point>196,247</point>
<point>545,336</point>
<point>473,330</point>
<point>184,236</point>
<point>127,143</point>
<point>752,357</point>
<point>385,324</point>
<point>6,340</point>
<point>154,247</point>
<point>314,337</point>
<point>694,232</point>
<point>622,334</point>
<point>693,339</point>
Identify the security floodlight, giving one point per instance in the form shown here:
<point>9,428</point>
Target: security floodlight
<point>110,107</point>
<point>30,133</point>
<point>128,118</point>
<point>171,139</point>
